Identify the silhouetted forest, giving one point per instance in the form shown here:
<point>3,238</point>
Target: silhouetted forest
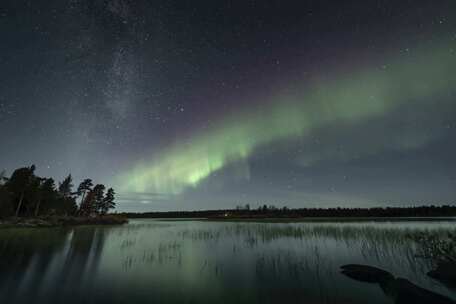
<point>274,212</point>
<point>25,194</point>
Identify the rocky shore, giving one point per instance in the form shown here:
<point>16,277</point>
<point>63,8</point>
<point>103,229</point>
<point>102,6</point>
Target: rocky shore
<point>60,221</point>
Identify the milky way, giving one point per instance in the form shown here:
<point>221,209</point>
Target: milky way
<point>183,105</point>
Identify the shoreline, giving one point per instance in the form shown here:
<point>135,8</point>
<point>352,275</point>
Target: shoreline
<point>303,219</point>
<point>333,219</point>
<point>68,221</point>
<point>298,214</point>
<point>61,221</point>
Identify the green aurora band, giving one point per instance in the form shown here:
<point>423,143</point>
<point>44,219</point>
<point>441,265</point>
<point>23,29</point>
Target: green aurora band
<point>346,98</point>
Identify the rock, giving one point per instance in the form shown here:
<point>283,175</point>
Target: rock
<point>445,273</point>
<point>366,274</point>
<point>402,291</point>
<point>407,292</point>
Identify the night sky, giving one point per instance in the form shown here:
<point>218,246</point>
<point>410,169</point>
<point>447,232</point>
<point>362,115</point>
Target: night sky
<point>210,104</point>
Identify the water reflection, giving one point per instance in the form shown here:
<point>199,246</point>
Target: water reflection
<point>210,262</point>
<point>44,264</point>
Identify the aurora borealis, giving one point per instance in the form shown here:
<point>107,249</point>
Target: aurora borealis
<point>351,99</point>
<point>204,105</point>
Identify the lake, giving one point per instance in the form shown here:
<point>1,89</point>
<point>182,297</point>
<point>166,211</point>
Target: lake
<point>176,261</point>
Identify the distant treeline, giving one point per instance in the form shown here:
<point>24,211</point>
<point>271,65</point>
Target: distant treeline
<point>272,212</point>
<point>25,194</point>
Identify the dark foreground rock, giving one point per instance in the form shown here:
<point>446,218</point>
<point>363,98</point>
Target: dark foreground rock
<point>445,272</point>
<point>400,290</point>
<point>60,221</point>
<point>366,274</point>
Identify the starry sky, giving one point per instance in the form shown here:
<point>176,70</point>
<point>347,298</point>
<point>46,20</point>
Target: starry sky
<point>185,105</point>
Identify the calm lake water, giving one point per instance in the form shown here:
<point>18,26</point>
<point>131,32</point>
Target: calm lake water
<point>151,261</point>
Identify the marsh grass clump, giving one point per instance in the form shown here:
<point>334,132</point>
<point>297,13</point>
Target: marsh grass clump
<point>440,250</point>
<point>440,247</point>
